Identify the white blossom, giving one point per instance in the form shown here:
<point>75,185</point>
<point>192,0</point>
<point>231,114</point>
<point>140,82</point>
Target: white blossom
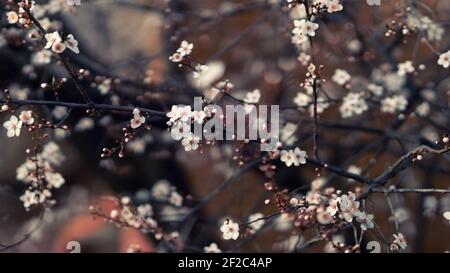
<point>393,104</point>
<point>212,248</point>
<point>366,220</point>
<point>206,75</point>
<point>293,157</point>
<point>400,241</point>
<point>405,68</point>
<point>105,86</point>
<point>185,48</point>
<point>145,210</point>
<point>71,43</point>
<point>173,114</point>
<point>58,47</point>
<point>353,104</point>
<point>161,190</point>
<point>175,199</point>
<point>198,116</point>
<point>190,142</point>
<point>341,77</point>
<point>322,104</point>
<point>287,133</point>
<point>305,27</point>
<point>394,82</point>
<point>13,126</point>
<point>333,6</point>
<point>256,222</point>
<point>182,113</point>
<point>137,119</point>
<point>253,97</point>
<point>51,39</point>
<point>332,207</point>
<point>323,216</point>
<point>39,170</point>
<point>423,109</point>
<point>444,59</point>
<point>55,180</point>
<point>446,215</point>
<point>52,153</point>
<point>12,17</point>
<point>230,230</point>
<point>302,99</point>
<point>176,57</point>
<point>26,117</point>
<point>304,58</point>
<point>348,206</point>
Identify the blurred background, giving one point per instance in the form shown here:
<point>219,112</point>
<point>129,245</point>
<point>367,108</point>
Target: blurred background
<point>247,42</point>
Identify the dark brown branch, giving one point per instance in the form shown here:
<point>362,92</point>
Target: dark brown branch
<point>104,107</point>
<point>405,161</point>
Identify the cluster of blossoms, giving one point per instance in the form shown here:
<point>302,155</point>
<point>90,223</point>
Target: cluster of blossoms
<point>164,191</point>
<point>318,6</point>
<point>302,99</point>
<point>293,157</point>
<point>353,104</point>
<point>329,210</point>
<point>14,125</point>
<point>432,30</point>
<point>304,27</point>
<point>446,215</point>
<point>322,208</point>
<point>59,45</point>
<point>27,13</point>
<point>161,203</point>
<point>393,104</point>
<point>333,207</point>
<point>21,15</point>
<point>182,52</point>
<point>354,170</point>
<point>417,22</point>
<point>127,215</point>
<point>347,207</point>
<point>180,119</point>
<point>305,100</point>
<point>39,175</point>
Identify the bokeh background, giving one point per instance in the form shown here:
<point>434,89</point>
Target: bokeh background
<point>132,40</point>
